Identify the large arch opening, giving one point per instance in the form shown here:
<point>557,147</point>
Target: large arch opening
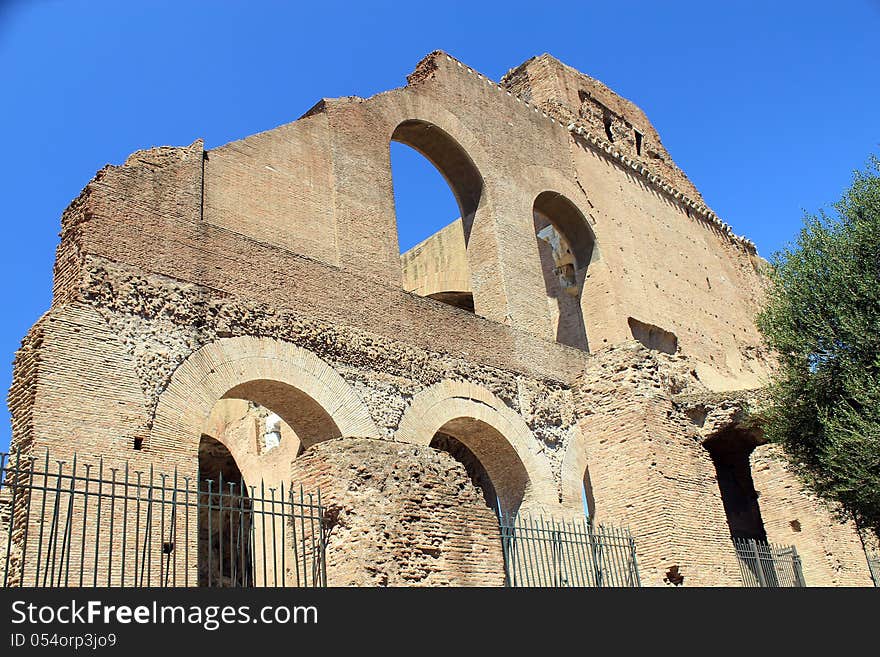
<point>251,436</point>
<point>731,450</point>
<point>293,382</point>
<point>434,180</point>
<point>225,544</point>
<point>265,424</point>
<point>565,245</point>
<point>307,420</point>
<point>491,462</point>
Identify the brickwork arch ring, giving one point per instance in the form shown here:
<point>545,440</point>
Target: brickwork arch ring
<point>289,380</point>
<point>496,434</point>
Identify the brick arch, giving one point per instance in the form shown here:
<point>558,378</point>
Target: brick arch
<point>277,372</point>
<point>449,158</point>
<point>470,166</point>
<point>510,450</point>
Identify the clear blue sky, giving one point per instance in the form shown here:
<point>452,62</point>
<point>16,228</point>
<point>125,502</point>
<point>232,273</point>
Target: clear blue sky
<point>767,106</point>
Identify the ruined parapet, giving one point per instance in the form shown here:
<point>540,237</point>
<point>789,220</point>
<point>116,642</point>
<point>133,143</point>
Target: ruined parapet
<point>573,97</point>
<point>401,515</point>
<point>612,125</point>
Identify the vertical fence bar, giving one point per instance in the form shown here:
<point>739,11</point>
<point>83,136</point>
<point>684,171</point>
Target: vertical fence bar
<point>52,546</point>
<point>172,534</point>
<point>112,523</point>
<point>186,567</point>
<point>220,576</point>
<point>67,544</point>
<point>98,521</point>
<point>27,516</point>
<point>4,480</point>
<point>137,532</point>
<point>298,517</point>
<point>283,536</point>
<point>323,541</point>
<point>162,478</point>
<point>274,541</point>
<point>241,545</point>
<point>124,525</point>
<point>210,537</point>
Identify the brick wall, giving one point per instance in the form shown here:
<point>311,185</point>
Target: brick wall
<point>402,515</point>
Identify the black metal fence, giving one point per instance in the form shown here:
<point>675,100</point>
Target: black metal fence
<point>874,567</point>
<point>88,524</point>
<point>547,552</point>
<point>767,565</point>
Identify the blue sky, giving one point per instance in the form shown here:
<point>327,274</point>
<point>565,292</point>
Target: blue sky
<point>767,106</point>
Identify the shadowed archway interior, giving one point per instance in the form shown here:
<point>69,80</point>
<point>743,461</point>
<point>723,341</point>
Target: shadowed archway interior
<point>489,459</point>
<point>306,417</point>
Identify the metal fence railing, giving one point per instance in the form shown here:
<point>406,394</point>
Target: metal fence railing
<point>547,552</point>
<point>764,564</point>
<point>874,567</point>
<point>88,524</point>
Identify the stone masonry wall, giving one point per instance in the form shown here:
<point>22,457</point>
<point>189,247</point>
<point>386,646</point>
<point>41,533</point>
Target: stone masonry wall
<point>648,470</point>
<point>830,549</point>
<point>283,246</point>
<point>401,515</point>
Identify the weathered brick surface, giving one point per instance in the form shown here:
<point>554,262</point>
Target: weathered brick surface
<point>649,472</point>
<point>267,271</point>
<point>402,515</point>
<point>829,546</point>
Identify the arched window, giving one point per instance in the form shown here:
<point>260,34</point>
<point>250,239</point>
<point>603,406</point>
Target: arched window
<point>437,191</point>
<point>565,244</point>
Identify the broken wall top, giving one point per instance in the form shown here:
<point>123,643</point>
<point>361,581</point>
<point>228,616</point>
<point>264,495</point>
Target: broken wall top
<point>252,217</point>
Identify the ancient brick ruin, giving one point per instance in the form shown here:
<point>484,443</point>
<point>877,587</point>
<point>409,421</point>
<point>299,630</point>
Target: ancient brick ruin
<point>583,330</point>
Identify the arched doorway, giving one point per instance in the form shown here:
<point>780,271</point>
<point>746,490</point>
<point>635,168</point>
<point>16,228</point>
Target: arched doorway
<point>565,245</point>
<point>433,177</point>
<point>488,438</point>
<point>247,505</point>
<point>225,543</point>
<point>489,460</point>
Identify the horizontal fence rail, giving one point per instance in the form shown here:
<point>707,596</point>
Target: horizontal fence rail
<point>548,552</point>
<point>88,524</point>
<point>764,564</point>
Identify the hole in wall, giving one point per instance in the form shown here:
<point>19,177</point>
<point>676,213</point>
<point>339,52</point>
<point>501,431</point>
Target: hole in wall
<point>606,121</point>
<point>730,451</point>
<point>423,199</point>
<point>674,576</point>
<point>697,415</point>
<point>638,142</point>
<point>437,190</point>
<point>653,337</point>
<point>566,246</point>
<point>795,525</point>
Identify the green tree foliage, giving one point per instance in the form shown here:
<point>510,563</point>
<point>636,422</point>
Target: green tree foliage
<point>823,319</point>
